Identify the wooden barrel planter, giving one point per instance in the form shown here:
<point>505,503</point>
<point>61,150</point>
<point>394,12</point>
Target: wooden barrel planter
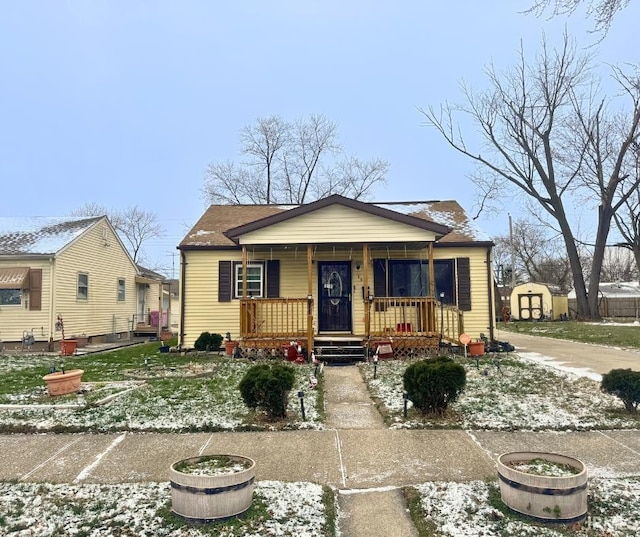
<point>541,495</point>
<point>63,383</point>
<point>201,495</point>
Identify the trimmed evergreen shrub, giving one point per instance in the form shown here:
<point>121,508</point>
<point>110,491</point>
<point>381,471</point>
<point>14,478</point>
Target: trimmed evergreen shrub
<point>625,384</point>
<point>432,384</point>
<point>207,342</point>
<point>267,386</point>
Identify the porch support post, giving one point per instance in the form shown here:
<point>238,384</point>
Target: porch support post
<point>309,300</point>
<point>367,293</point>
<point>244,271</point>
<point>431,322</point>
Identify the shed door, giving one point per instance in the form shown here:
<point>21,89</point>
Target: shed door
<point>334,279</point>
<point>530,307</point>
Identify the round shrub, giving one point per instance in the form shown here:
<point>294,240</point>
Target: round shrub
<point>432,384</point>
<point>267,386</point>
<point>625,384</point>
<point>207,342</point>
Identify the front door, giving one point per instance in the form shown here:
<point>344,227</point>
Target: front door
<point>334,279</point>
<point>142,293</point>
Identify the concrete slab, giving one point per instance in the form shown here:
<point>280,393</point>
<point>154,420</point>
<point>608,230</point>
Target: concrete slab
<point>24,454</point>
<point>286,456</point>
<point>345,385</point>
<point>397,457</point>
<point>603,454</point>
<point>353,416</point>
<point>145,457</point>
<point>68,464</point>
<point>365,514</point>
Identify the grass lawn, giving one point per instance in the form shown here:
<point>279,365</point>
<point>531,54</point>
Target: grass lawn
<point>173,400</point>
<point>612,334</point>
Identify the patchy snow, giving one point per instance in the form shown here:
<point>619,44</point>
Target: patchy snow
<point>520,394</point>
<point>47,510</point>
<point>553,363</point>
<point>471,509</point>
<point>206,403</point>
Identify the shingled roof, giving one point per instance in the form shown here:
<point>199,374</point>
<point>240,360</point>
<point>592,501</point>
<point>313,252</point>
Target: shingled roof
<point>40,235</point>
<point>209,231</point>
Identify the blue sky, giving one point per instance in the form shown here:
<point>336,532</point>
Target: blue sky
<point>125,103</point>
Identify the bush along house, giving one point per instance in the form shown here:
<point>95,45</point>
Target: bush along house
<point>336,276</point>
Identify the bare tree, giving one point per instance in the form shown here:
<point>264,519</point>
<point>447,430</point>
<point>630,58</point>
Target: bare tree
<point>538,254</point>
<point>134,225</point>
<point>263,142</point>
<point>549,134</point>
<point>628,219</point>
<point>619,265</point>
<point>292,162</point>
<point>602,11</point>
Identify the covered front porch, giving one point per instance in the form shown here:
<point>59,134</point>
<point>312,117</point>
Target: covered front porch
<point>345,300</point>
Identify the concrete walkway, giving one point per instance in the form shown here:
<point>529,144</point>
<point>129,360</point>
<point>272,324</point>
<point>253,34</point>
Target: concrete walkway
<point>597,358</point>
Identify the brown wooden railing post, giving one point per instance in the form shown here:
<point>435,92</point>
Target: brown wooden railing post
<point>365,281</point>
<point>309,299</point>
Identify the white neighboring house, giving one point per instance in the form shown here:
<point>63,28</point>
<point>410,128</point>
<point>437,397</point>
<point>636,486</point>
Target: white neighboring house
<point>76,268</point>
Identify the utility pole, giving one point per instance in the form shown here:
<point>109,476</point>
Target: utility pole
<point>513,255</point>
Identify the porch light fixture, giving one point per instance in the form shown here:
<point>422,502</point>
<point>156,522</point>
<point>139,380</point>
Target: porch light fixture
<point>309,298</point>
<point>357,266</point>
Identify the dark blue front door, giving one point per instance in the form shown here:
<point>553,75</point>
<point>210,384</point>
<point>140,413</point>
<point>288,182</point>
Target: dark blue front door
<point>334,280</point>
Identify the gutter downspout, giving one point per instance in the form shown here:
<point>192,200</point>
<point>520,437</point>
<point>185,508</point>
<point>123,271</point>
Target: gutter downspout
<point>492,298</point>
<point>183,274</point>
<point>52,307</point>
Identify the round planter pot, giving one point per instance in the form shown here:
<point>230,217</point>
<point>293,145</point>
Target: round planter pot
<point>546,498</point>
<point>205,498</point>
<point>229,347</point>
<point>60,383</point>
<point>476,348</point>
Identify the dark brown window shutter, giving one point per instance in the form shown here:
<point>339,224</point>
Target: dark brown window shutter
<point>464,283</point>
<point>273,278</point>
<point>35,289</point>
<point>224,281</point>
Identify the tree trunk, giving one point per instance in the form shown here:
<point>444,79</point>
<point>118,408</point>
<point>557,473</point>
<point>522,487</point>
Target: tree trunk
<point>605,214</point>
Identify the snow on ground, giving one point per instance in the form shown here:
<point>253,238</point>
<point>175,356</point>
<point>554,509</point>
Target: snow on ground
<point>470,509</point>
<point>523,393</point>
<point>553,363</point>
<point>139,509</point>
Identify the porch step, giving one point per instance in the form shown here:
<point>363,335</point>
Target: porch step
<point>340,351</point>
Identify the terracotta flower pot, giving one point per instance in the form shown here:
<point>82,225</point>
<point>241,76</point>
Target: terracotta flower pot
<point>60,383</point>
<point>229,347</point>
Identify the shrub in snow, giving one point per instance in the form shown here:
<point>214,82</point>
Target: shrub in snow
<point>625,384</point>
<point>432,384</point>
<point>208,342</point>
<point>267,386</point>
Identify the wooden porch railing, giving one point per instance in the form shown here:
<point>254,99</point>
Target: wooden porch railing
<point>414,316</point>
<point>273,317</point>
<point>389,316</point>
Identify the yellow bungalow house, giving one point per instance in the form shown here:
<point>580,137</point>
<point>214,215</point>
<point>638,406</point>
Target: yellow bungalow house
<point>76,268</point>
<point>336,274</point>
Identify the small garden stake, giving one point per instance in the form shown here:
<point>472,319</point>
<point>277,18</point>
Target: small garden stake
<point>301,396</point>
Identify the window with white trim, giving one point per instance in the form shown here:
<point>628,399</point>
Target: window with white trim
<point>121,289</point>
<point>255,280</point>
<point>83,286</point>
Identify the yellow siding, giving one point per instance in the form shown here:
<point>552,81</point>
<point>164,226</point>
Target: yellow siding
<point>99,254</point>
<point>336,224</point>
<point>14,320</point>
<point>204,313</point>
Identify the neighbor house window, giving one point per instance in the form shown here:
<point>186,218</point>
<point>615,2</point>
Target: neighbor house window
<point>10,297</point>
<point>121,288</point>
<point>410,277</point>
<point>83,286</point>
<point>255,280</point>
